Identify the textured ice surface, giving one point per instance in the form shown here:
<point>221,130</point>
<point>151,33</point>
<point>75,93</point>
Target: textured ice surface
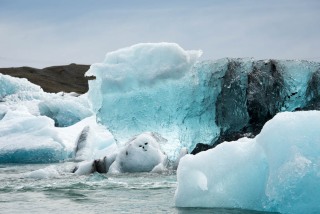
<point>141,154</point>
<point>161,88</point>
<point>64,108</point>
<point>276,171</point>
<point>45,173</point>
<point>39,127</point>
<point>20,89</point>
<point>25,138</point>
<point>146,87</point>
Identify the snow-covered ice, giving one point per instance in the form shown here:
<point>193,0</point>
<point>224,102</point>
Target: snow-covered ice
<point>142,153</point>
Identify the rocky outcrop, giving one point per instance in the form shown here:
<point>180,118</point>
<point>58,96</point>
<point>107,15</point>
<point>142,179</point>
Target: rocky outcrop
<point>67,78</point>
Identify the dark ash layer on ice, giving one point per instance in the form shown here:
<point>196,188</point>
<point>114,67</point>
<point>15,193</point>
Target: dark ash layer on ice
<point>231,99</point>
<point>252,92</point>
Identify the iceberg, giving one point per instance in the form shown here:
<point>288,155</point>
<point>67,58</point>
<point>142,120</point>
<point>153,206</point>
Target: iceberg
<point>25,138</point>
<point>160,87</point>
<point>144,88</point>
<point>64,108</point>
<point>277,171</point>
<point>141,154</point>
<point>39,127</point>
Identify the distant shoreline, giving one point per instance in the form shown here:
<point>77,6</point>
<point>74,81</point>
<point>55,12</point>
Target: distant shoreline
<point>67,78</point>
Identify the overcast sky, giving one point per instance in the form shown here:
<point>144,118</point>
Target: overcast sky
<point>42,33</point>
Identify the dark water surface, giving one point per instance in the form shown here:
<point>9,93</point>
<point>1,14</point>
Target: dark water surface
<point>65,192</point>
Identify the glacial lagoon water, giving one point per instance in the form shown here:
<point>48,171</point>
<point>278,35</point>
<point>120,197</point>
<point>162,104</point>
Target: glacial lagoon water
<point>96,193</point>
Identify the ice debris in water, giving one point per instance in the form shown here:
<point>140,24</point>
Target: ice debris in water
<point>142,153</point>
<point>276,171</point>
<point>45,173</point>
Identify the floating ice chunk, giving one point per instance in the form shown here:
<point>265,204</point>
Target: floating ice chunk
<point>140,154</point>
<point>291,142</point>
<point>276,171</point>
<point>30,121</point>
<point>25,138</point>
<point>161,167</point>
<point>97,141</point>
<point>45,173</point>
<point>85,168</point>
<point>231,175</point>
<point>101,165</point>
<point>66,110</point>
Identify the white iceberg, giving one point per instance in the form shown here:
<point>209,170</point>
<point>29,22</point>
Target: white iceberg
<point>39,127</point>
<point>276,171</point>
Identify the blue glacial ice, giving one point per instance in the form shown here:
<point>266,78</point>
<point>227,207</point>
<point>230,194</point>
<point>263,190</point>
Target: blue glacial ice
<point>39,127</point>
<point>146,87</point>
<point>65,109</point>
<point>278,170</point>
<point>165,89</point>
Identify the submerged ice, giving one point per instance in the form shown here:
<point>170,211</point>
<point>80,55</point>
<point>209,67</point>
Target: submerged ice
<point>276,171</point>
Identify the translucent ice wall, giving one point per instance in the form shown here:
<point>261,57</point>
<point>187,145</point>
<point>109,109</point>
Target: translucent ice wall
<point>161,88</point>
<point>146,87</point>
<point>276,171</point>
